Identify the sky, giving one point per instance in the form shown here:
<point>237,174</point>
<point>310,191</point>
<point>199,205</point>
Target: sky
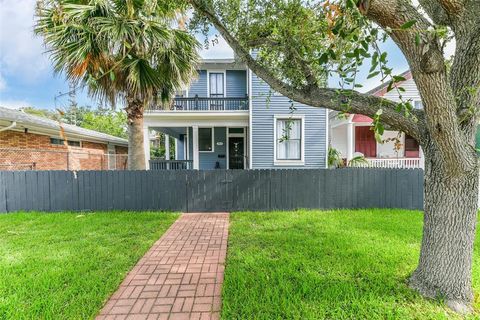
<point>27,77</point>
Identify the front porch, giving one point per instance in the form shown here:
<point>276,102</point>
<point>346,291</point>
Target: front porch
<point>202,143</point>
<point>353,137</point>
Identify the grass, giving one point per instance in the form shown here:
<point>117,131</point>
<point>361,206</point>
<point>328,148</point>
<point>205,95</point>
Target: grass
<point>65,265</point>
<point>327,265</point>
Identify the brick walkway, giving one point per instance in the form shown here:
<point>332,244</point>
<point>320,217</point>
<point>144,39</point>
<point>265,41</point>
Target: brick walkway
<point>180,277</point>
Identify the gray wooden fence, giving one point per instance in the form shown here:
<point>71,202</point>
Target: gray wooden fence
<point>213,190</point>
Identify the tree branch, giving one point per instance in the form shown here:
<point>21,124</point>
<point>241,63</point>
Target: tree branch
<point>429,72</point>
<point>314,95</point>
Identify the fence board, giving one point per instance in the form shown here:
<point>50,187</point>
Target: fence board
<point>214,190</point>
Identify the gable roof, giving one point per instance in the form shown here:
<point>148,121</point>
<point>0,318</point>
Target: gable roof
<point>48,126</point>
<point>381,89</point>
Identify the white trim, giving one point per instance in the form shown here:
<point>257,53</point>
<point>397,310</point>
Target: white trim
<point>167,146</point>
<point>213,140</point>
<point>250,120</point>
<point>227,149</point>
<point>277,162</point>
<point>187,141</point>
<point>224,80</point>
<point>196,154</point>
<point>327,135</point>
<point>146,146</point>
<point>172,123</point>
<point>176,149</point>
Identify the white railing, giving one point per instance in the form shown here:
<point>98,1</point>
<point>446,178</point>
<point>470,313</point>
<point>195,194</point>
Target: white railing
<point>405,163</point>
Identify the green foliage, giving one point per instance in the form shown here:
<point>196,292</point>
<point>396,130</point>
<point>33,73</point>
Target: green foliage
<point>110,122</point>
<point>103,120</point>
<point>357,161</point>
<point>334,158</point>
<point>301,43</point>
<point>119,49</point>
<point>342,264</point>
<point>159,152</point>
<point>65,265</point>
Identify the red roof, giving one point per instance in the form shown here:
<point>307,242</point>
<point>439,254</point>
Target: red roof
<point>361,118</point>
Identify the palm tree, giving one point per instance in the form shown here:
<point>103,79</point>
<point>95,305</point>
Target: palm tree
<point>124,50</point>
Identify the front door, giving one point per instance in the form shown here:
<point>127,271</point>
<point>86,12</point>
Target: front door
<point>365,141</point>
<point>236,152</point>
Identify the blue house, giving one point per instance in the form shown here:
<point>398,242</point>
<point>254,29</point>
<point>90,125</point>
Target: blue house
<point>231,119</point>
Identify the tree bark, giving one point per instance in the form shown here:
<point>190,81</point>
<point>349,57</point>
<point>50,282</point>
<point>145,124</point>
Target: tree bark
<point>445,265</point>
<point>136,151</point>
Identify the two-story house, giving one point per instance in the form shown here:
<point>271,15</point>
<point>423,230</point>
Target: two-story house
<point>353,136</point>
<point>231,119</point>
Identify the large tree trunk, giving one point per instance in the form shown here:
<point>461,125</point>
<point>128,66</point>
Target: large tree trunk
<point>136,151</point>
<point>445,265</point>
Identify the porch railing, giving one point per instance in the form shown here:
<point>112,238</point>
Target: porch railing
<point>204,104</point>
<point>160,164</point>
<point>401,163</point>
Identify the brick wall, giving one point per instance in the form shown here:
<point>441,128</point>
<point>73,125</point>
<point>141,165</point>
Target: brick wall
<point>27,151</point>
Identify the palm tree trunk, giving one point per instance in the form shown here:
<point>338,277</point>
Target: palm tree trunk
<point>136,151</point>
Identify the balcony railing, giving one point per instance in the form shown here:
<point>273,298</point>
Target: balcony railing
<point>160,164</point>
<point>404,163</point>
<point>204,104</point>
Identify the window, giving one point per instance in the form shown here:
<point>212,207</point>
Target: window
<point>289,139</point>
<point>235,130</point>
<point>216,85</point>
<point>205,139</point>
<point>417,104</point>
<point>61,142</point>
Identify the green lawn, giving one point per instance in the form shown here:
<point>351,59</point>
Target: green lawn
<point>65,265</point>
<point>327,265</point>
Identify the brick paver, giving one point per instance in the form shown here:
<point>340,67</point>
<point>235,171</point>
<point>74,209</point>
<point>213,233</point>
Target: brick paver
<point>180,277</point>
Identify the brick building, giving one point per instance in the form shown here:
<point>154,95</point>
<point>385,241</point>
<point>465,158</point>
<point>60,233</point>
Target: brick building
<point>28,142</point>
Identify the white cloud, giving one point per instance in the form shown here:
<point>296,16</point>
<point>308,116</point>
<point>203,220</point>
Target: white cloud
<point>14,104</point>
<point>218,47</point>
<point>21,52</point>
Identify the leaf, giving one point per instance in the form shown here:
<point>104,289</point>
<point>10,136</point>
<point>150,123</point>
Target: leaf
<point>417,39</point>
<point>408,24</point>
<point>398,78</point>
<point>373,74</point>
<point>379,112</point>
<point>323,58</point>
<point>112,76</point>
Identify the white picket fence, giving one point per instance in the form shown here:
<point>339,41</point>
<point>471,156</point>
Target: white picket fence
<point>402,163</point>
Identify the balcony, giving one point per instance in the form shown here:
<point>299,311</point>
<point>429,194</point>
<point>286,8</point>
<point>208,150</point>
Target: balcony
<point>204,104</point>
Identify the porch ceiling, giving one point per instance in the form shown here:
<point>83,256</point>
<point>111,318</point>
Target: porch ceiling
<point>171,131</point>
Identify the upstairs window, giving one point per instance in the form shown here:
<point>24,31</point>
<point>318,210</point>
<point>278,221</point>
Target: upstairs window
<point>205,139</point>
<point>217,84</point>
<point>289,139</point>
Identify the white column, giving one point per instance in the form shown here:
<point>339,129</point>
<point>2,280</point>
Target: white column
<point>196,164</point>
<point>146,146</point>
<point>176,149</point>
<point>350,141</point>
<point>167,147</point>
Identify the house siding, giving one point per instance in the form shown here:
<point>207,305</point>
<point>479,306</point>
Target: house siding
<point>199,85</point>
<point>208,160</point>
<point>236,83</point>
<point>263,112</point>
<point>411,92</point>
